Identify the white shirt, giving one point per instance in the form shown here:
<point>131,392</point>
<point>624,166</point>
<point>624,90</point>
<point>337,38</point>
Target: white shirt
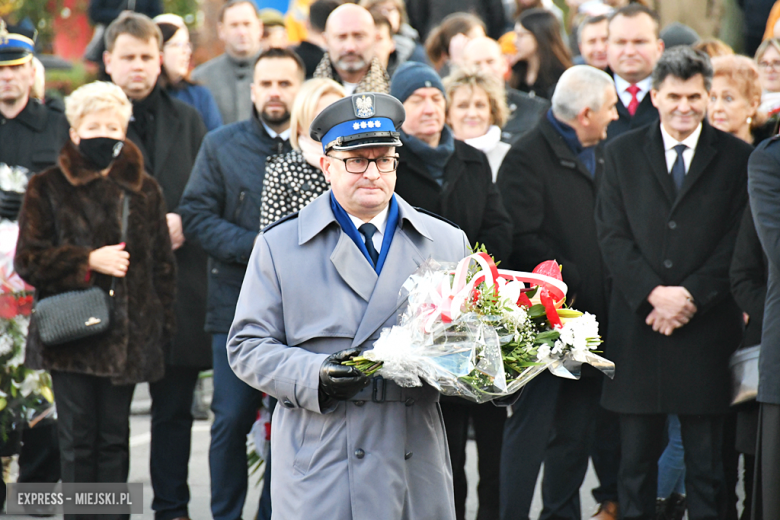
<point>625,97</point>
<point>670,142</point>
<point>350,88</point>
<point>380,221</point>
<point>284,136</point>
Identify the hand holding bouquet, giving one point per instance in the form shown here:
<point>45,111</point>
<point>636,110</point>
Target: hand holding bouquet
<point>476,331</point>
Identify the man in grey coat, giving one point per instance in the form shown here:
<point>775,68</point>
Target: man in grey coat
<point>229,76</point>
<point>319,288</point>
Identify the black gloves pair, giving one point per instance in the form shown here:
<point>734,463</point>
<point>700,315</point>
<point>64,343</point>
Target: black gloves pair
<point>339,381</point>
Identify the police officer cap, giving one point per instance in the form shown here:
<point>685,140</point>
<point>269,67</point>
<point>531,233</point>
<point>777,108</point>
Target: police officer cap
<point>16,44</point>
<point>359,121</point>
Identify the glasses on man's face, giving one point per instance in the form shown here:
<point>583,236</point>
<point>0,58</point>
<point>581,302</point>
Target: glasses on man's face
<point>386,164</point>
<point>769,65</point>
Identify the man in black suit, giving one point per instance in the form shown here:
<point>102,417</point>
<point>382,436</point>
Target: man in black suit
<point>667,215</point>
<point>633,48</point>
<point>168,132</point>
<point>548,182</point>
<point>524,111</point>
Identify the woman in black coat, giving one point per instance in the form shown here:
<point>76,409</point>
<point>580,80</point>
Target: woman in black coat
<point>70,228</point>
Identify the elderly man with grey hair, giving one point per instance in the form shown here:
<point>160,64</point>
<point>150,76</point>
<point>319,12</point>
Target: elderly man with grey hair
<point>548,182</point>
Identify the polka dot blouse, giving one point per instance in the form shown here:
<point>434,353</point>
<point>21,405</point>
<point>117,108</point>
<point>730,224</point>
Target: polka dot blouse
<point>290,184</point>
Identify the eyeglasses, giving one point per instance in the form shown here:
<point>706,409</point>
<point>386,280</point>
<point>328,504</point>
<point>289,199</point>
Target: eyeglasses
<point>769,64</point>
<point>360,164</point>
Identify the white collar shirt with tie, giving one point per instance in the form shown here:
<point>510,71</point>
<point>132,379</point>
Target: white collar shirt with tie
<point>379,221</point>
<point>671,154</point>
<point>625,96</point>
<point>284,136</point>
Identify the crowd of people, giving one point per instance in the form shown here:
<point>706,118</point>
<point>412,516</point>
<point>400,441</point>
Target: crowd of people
<point>242,216</point>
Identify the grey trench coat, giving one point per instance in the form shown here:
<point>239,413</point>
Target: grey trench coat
<point>309,292</point>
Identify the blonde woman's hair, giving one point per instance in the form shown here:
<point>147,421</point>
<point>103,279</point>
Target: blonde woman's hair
<point>496,93</point>
<point>96,97</point>
<point>38,90</point>
<point>306,101</point>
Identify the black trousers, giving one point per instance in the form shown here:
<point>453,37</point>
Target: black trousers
<point>488,421</point>
<point>556,421</point>
<point>94,430</point>
<point>171,440</point>
<point>642,442</point>
<point>766,485</point>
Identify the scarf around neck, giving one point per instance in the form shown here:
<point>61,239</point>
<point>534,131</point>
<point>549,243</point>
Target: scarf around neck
<point>486,143</point>
<point>434,159</point>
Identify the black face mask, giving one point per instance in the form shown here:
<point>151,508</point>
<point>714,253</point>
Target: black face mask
<point>101,151</point>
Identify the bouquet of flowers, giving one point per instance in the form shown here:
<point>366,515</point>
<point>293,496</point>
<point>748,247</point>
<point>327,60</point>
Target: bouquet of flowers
<point>25,394</point>
<point>479,332</point>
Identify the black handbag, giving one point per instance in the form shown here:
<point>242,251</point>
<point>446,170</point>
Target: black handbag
<point>75,315</point>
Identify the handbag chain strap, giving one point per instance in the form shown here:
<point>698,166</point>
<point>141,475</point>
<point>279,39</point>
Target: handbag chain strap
<point>125,213</point>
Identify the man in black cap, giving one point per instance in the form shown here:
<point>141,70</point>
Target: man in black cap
<point>31,133</point>
<point>31,136</point>
<point>320,286</point>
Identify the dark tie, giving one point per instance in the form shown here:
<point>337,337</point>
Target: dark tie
<point>678,168</point>
<point>634,103</point>
<point>368,231</point>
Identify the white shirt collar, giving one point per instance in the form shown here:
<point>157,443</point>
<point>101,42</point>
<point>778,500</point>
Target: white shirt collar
<point>284,136</point>
<point>691,141</point>
<point>621,85</point>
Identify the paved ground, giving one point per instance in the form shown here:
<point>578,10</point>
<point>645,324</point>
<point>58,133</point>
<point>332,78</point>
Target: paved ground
<point>199,470</point>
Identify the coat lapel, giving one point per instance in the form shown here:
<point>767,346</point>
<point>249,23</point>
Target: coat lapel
<point>165,132</point>
<point>565,156</point>
<point>656,158</point>
<point>702,157</point>
<point>349,262</point>
<point>403,259</point>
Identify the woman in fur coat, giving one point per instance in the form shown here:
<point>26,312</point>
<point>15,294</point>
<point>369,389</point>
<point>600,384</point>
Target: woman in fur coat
<point>70,229</point>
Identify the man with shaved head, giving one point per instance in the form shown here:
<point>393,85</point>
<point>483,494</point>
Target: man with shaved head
<point>524,111</point>
<point>350,34</point>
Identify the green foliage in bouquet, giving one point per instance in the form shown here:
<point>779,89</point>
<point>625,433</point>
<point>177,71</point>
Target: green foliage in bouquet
<point>24,393</point>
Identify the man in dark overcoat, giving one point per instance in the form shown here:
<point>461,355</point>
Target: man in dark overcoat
<point>168,133</point>
<point>548,182</point>
<point>764,186</point>
<point>667,215</point>
<point>449,177</point>
<point>31,136</point>
<point>633,48</point>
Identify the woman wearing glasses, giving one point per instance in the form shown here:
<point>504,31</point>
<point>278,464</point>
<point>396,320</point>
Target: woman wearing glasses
<point>768,61</point>
<point>175,76</point>
<point>294,179</point>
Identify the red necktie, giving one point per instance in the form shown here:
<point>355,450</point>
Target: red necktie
<point>634,104</point>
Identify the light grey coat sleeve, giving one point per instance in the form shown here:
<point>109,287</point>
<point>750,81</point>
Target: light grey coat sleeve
<point>257,349</point>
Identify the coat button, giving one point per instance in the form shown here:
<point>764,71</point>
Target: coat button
<point>668,264</point>
<point>672,224</point>
<point>359,403</point>
<point>360,454</point>
<point>287,403</point>
<point>215,271</point>
<point>408,455</point>
<point>409,402</point>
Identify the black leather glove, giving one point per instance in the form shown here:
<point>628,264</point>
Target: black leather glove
<point>339,381</point>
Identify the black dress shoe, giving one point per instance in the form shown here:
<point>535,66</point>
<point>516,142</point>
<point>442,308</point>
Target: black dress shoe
<point>675,507</point>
